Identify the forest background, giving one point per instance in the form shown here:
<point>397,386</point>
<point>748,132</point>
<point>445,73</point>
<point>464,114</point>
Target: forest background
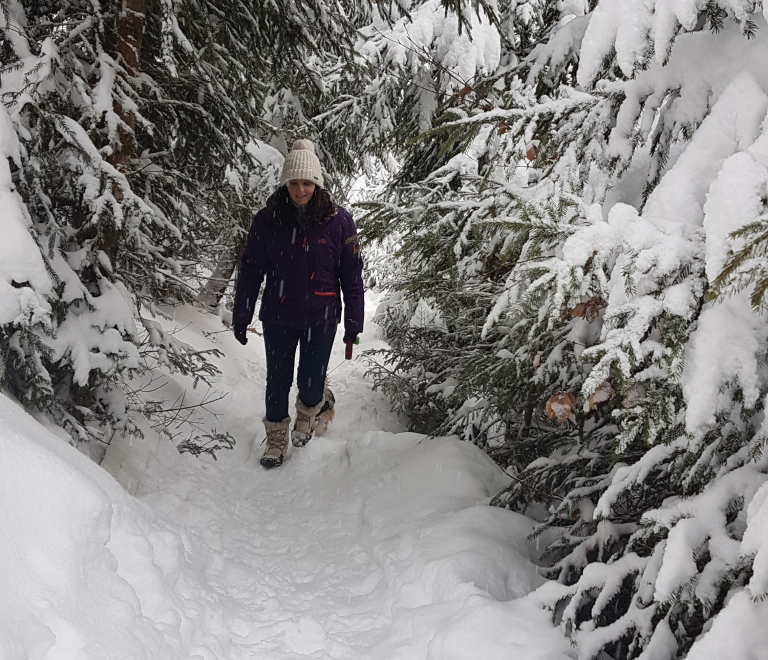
<point>568,202</point>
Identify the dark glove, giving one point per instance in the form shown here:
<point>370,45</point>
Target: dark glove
<point>350,337</point>
<point>240,333</point>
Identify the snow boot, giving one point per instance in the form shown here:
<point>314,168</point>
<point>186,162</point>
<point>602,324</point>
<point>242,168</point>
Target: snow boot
<point>306,419</point>
<point>325,416</point>
<point>277,442</point>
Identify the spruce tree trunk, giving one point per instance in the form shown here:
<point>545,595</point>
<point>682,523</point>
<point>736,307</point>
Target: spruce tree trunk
<point>125,47</point>
<point>123,43</point>
<point>216,286</point>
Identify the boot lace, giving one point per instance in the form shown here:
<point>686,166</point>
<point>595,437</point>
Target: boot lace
<point>303,422</point>
<point>275,439</point>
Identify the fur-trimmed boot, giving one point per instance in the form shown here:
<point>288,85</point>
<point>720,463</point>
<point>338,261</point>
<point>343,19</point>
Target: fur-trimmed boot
<point>325,416</point>
<point>306,419</point>
<point>277,442</point>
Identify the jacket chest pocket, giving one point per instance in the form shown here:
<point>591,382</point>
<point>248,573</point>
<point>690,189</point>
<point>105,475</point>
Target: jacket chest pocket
<point>324,265</point>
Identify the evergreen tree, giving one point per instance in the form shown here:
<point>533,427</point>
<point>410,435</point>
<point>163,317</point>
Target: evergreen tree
<point>470,235</point>
<point>130,136</point>
<point>646,381</point>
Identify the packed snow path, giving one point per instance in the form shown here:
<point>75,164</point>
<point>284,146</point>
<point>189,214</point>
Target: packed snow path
<point>369,543</point>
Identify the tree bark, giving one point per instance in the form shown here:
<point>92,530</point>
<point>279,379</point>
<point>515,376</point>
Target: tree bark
<point>527,420</point>
<point>125,48</point>
<point>216,286</point>
<point>123,44</point>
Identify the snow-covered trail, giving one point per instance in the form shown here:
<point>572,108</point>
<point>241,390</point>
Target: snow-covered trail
<point>286,556</point>
<point>369,543</point>
<point>366,543</point>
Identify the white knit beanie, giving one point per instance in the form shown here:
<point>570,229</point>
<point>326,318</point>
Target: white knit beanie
<point>302,163</point>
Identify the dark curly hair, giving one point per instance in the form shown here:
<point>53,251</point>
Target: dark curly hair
<point>320,208</point>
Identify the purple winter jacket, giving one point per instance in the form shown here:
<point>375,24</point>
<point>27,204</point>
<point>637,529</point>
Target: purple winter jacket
<point>307,269</point>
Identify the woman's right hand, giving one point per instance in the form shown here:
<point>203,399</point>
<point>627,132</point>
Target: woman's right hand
<point>240,332</point>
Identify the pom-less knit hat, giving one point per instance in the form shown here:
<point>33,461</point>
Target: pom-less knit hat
<point>302,163</point>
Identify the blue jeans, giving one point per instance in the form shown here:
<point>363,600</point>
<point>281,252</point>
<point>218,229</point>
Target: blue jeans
<point>314,352</point>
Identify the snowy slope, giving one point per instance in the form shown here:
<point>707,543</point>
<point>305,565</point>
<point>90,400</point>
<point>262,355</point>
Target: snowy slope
<point>367,543</point>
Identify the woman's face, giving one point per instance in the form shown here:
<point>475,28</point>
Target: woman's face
<point>301,191</point>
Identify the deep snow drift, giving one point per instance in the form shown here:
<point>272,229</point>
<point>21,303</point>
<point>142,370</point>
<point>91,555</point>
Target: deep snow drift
<point>367,543</point>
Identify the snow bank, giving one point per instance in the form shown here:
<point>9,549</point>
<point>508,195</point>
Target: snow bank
<point>88,572</point>
<point>457,570</point>
<point>434,487</point>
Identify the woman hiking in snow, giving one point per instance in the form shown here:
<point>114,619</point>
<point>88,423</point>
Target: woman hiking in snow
<point>305,246</point>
